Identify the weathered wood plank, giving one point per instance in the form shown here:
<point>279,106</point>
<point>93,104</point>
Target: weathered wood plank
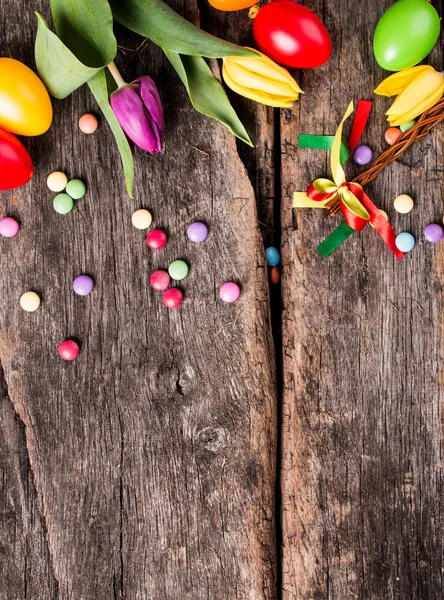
<point>362,507</point>
<point>153,455</point>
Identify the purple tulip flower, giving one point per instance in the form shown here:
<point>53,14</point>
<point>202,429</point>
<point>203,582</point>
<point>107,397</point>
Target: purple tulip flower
<point>138,109</point>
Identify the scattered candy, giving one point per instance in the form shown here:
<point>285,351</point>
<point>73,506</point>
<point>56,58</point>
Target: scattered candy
<point>197,232</point>
<point>229,291</point>
<point>63,204</point>
<point>159,280</point>
<point>403,204</point>
<point>178,270</point>
<point>57,181</point>
<point>172,298</point>
<point>8,227</point>
<point>29,301</point>
<point>384,214</point>
<point>141,219</point>
<point>433,233</point>
<point>392,135</point>
<point>362,155</point>
<point>76,189</point>
<point>272,255</point>
<point>275,275</point>
<point>83,285</point>
<point>405,241</point>
<point>407,126</point>
<point>156,239</point>
<point>88,123</point>
<point>68,350</point>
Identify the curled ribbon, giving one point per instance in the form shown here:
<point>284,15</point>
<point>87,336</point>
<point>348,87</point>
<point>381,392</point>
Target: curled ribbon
<point>356,206</point>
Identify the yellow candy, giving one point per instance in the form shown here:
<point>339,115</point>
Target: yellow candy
<point>57,181</point>
<point>403,204</point>
<point>29,301</point>
<point>141,219</point>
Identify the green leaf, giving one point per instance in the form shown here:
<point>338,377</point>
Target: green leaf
<point>60,70</point>
<point>162,25</point>
<point>86,28</point>
<point>99,89</point>
<point>206,93</point>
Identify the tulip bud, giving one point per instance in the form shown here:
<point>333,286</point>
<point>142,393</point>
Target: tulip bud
<point>417,89</point>
<point>260,79</point>
<point>139,111</point>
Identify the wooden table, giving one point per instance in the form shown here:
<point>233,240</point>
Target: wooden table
<point>288,446</point>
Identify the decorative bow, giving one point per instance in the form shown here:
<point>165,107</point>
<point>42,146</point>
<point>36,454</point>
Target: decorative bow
<point>356,206</point>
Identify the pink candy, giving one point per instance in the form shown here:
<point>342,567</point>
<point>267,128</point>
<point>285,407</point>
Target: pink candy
<point>8,227</point>
<point>229,291</point>
<point>159,280</point>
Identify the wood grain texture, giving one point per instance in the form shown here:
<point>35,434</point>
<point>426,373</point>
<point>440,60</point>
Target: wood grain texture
<point>362,505</point>
<point>153,454</point>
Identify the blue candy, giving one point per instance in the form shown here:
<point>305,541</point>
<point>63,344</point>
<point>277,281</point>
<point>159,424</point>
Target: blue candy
<point>272,255</point>
<point>405,241</point>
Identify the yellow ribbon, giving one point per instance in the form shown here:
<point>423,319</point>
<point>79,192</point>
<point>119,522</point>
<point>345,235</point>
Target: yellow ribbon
<point>336,187</point>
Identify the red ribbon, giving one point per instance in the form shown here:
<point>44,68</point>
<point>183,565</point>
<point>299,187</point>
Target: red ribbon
<point>361,117</point>
<point>377,219</point>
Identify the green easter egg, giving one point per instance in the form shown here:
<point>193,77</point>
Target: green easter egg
<point>405,34</point>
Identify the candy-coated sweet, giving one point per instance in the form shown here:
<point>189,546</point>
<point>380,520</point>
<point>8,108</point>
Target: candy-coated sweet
<point>272,255</point>
<point>172,298</point>
<point>63,204</point>
<point>15,163</point>
<point>178,270</point>
<point>405,34</point>
<point>156,239</point>
<point>197,232</point>
<point>405,241</point>
<point>384,214</point>
<point>8,227</point>
<point>76,189</point>
<point>292,35</point>
<point>232,4</point>
<point>362,155</point>
<point>25,107</point>
<point>433,233</point>
<point>275,275</point>
<point>57,181</point>
<point>392,135</point>
<point>407,126</point>
<point>403,204</point>
<point>83,285</point>
<point>29,301</point>
<point>88,123</point>
<point>141,219</point>
<point>68,350</point>
<point>229,291</point>
<point>159,280</point>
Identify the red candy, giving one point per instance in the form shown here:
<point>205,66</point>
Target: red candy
<point>159,280</point>
<point>156,239</point>
<point>172,298</point>
<point>68,350</point>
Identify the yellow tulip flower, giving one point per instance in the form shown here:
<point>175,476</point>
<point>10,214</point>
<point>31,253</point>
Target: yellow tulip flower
<point>417,89</point>
<point>260,79</point>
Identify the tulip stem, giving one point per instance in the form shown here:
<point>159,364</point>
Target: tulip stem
<point>116,74</point>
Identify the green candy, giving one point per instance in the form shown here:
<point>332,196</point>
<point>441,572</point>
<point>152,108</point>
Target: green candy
<point>405,34</point>
<point>407,126</point>
<point>63,204</point>
<point>76,189</point>
<point>178,270</point>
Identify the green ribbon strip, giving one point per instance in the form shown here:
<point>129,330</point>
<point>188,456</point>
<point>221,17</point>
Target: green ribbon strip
<point>322,142</point>
<point>335,239</point>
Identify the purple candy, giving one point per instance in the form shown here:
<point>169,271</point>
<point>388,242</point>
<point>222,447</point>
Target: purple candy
<point>362,155</point>
<point>83,285</point>
<point>433,233</point>
<point>8,227</point>
<point>197,232</point>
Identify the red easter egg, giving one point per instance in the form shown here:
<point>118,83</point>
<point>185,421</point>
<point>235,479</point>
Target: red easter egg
<point>15,163</point>
<point>292,35</point>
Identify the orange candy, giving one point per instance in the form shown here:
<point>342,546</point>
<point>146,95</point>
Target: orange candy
<point>275,275</point>
<point>231,4</point>
<point>392,135</point>
<point>88,123</point>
